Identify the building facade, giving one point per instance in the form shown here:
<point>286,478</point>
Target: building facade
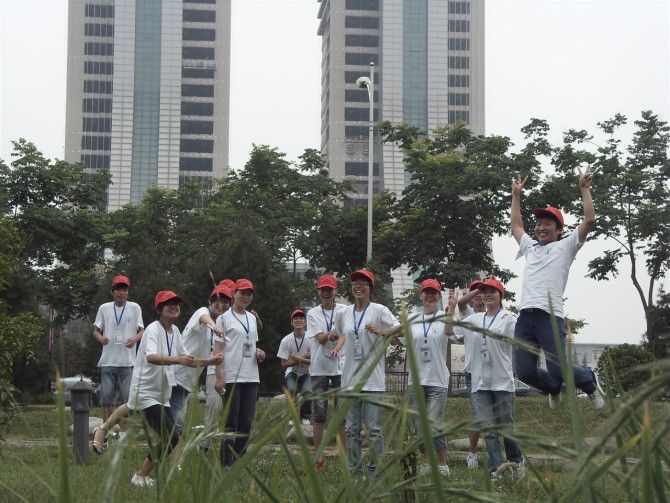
<point>429,71</point>
<point>148,86</point>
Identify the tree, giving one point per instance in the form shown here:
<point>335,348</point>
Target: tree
<point>619,366</point>
<point>657,339</point>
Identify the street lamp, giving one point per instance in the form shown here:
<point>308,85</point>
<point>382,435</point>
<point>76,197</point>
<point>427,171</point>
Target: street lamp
<point>368,82</point>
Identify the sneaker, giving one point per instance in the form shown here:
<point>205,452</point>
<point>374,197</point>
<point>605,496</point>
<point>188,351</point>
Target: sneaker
<point>554,400</point>
<point>473,461</point>
<point>598,396</point>
<point>495,477</point>
<point>320,465</point>
<point>290,422</point>
<point>305,422</point>
<point>519,471</point>
<point>444,470</point>
<point>141,481</point>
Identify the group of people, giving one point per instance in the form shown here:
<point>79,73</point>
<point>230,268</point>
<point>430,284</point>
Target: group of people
<point>342,347</point>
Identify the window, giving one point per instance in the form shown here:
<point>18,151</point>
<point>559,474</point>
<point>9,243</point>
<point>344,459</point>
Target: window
<point>195,163</point>
<point>358,96</point>
<point>97,105</point>
<point>459,44</point>
<point>362,5</point>
<point>459,62</point>
<point>97,124</point>
<point>96,142</point>
<point>361,22</point>
<point>189,108</point>
<point>361,40</point>
<point>198,34</point>
<point>458,115</point>
<point>356,131</point>
<point>459,80</point>
<point>360,58</point>
<point>197,127</point>
<point>351,77</point>
<point>199,16</point>
<point>98,68</point>
<point>98,49</point>
<point>459,7</point>
<point>360,169</point>
<point>358,114</point>
<point>98,30</point>
<point>200,1</point>
<point>197,52</point>
<point>197,73</point>
<point>197,90</point>
<point>92,161</point>
<point>462,25</point>
<point>200,146</point>
<point>98,86</point>
<point>91,10</point>
<point>459,99</point>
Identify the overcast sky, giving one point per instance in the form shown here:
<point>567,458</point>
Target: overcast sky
<point>572,63</point>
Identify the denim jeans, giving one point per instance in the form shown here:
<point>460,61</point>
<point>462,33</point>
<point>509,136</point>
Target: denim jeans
<point>300,385</point>
<point>320,386</point>
<point>436,400</point>
<point>108,378</point>
<point>534,326</point>
<point>178,402</point>
<point>495,408</point>
<point>371,414</point>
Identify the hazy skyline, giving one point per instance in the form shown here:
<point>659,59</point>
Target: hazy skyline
<point>571,63</point>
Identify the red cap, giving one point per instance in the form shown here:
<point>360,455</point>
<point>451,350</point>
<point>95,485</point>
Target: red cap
<point>227,282</point>
<point>364,273</point>
<point>327,281</point>
<point>244,284</point>
<point>551,212</point>
<point>297,312</point>
<point>164,296</point>
<point>494,283</point>
<point>222,290</point>
<point>120,280</point>
<point>430,283</point>
<point>474,285</point>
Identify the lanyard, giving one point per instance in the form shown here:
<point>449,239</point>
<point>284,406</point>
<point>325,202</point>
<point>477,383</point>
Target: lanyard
<point>245,327</point>
<point>426,331</point>
<point>329,324</point>
<point>302,341</point>
<point>492,320</point>
<point>168,342</point>
<point>211,339</point>
<point>357,326</point>
<point>119,318</point>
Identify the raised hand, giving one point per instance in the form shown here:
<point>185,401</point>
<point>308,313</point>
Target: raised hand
<point>585,178</point>
<point>518,185</point>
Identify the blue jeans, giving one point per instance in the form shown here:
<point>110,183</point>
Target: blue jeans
<point>178,401</point>
<point>495,408</point>
<point>534,326</point>
<point>371,414</point>
<point>468,387</point>
<point>436,400</point>
<point>108,378</point>
<point>300,385</point>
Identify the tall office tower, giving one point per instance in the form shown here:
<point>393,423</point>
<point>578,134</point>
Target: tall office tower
<point>429,66</point>
<point>148,84</point>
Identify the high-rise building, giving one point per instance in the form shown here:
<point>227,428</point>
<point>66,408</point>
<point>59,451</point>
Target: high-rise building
<point>148,84</point>
<point>429,71</point>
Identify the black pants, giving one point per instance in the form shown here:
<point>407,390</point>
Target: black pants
<point>241,402</point>
<point>161,420</point>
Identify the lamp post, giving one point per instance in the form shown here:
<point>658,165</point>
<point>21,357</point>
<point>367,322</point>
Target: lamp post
<point>368,82</point>
<point>80,398</point>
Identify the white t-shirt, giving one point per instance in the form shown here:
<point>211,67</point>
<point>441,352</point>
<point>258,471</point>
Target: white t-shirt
<point>118,324</point>
<point>546,271</point>
<point>430,345</point>
<point>291,344</point>
<point>372,346</point>
<point>467,342</point>
<point>149,385</point>
<point>239,355</point>
<point>320,320</point>
<point>198,341</point>
<point>497,373</point>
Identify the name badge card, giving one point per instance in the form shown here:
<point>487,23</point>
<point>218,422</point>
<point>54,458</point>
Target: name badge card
<point>246,350</point>
<point>358,350</point>
<point>426,354</point>
<point>118,337</point>
<point>485,356</point>
<point>169,373</point>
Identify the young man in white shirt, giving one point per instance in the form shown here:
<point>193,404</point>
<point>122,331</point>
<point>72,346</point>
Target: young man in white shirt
<point>118,327</point>
<point>324,368</point>
<point>548,261</point>
<point>294,354</point>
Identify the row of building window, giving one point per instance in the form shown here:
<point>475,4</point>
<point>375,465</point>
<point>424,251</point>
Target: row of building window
<point>351,77</point>
<point>361,40</point>
<point>197,73</point>
<point>200,1</point>
<point>459,62</point>
<point>99,30</point>
<point>358,96</point>
<point>93,161</point>
<point>459,44</point>
<point>362,4</point>
<point>197,52</point>
<point>96,142</point>
<point>200,91</point>
<point>98,68</point>
<point>193,108</point>
<point>91,10</point>
<point>360,58</point>
<point>196,146</point>
<point>459,7</point>
<point>359,114</point>
<point>367,22</point>
<point>199,16</point>
<point>98,49</point>
<point>459,80</point>
<point>197,127</point>
<point>97,105</point>
<point>195,164</point>
<point>459,99</point>
<point>97,125</point>
<point>360,168</point>
<point>356,131</point>
<point>98,86</point>
<point>458,115</point>
<point>199,34</point>
<point>462,25</point>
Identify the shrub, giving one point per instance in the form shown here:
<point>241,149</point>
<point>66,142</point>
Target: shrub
<point>619,366</point>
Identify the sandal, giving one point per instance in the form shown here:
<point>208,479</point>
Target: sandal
<point>98,444</point>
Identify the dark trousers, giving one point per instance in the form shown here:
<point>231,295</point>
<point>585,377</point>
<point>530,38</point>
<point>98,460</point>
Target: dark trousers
<point>161,420</point>
<point>241,402</point>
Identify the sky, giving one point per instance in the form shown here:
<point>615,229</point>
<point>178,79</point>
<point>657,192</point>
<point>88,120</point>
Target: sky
<point>573,63</point>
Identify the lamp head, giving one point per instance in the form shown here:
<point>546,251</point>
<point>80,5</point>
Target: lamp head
<point>363,82</point>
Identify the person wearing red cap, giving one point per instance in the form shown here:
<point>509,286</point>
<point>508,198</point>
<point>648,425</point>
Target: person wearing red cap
<point>362,332</point>
<point>199,341</point>
<point>324,369</point>
<point>118,327</point>
<point>239,375</point>
<point>294,354</point>
<point>548,261</point>
<point>492,374</point>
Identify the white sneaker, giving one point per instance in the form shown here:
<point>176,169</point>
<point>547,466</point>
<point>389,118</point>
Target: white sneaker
<point>473,461</point>
<point>305,422</point>
<point>495,477</point>
<point>141,481</point>
<point>598,396</point>
<point>520,471</point>
<point>554,400</point>
<point>444,470</point>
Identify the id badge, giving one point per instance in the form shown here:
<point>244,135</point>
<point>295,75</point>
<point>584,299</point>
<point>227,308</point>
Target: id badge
<point>426,354</point>
<point>118,337</point>
<point>358,351</point>
<point>171,379</point>
<point>246,350</point>
<point>327,349</point>
<point>486,358</point>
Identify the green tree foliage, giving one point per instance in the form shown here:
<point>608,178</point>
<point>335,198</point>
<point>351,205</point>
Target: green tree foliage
<point>618,367</point>
<point>657,339</point>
